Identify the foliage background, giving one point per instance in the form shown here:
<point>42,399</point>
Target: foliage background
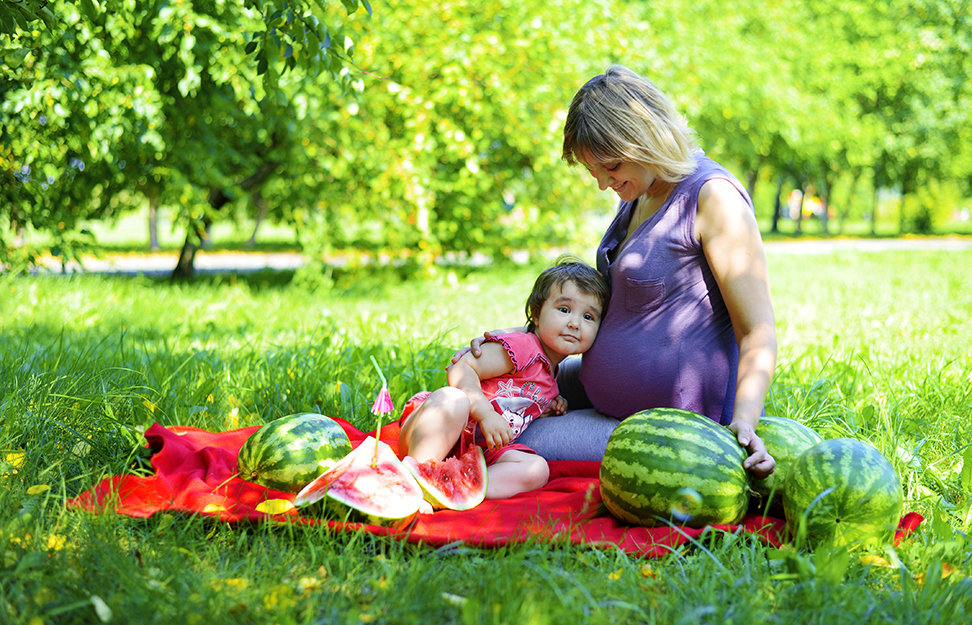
<point>420,129</point>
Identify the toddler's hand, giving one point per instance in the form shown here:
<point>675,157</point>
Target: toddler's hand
<point>557,406</point>
<point>496,430</point>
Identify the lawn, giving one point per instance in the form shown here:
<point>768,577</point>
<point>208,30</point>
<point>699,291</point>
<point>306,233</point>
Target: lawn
<point>873,345</point>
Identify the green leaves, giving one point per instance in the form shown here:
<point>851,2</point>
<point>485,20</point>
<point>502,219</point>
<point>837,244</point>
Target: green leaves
<point>966,475</point>
<point>445,137</point>
<point>90,9</point>
<point>170,100</point>
<point>828,567</point>
<point>20,14</point>
<point>14,58</point>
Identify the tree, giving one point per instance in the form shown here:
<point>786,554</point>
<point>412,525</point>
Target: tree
<point>447,140</point>
<point>181,101</point>
<point>453,142</point>
<point>820,91</point>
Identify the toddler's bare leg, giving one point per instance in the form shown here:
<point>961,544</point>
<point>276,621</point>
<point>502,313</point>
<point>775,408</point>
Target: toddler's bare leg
<point>431,431</point>
<point>516,472</point>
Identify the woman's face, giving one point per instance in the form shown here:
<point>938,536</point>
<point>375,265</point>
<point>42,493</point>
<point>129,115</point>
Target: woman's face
<point>629,180</point>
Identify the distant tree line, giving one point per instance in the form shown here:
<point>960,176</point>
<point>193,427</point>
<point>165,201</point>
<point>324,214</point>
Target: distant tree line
<point>425,128</point>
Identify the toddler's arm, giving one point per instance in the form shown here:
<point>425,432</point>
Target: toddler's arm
<point>467,375</point>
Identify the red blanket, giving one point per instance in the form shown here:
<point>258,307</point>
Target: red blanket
<point>195,472</point>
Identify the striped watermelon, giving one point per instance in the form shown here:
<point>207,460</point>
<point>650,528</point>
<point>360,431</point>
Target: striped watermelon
<point>289,452</point>
<point>785,440</point>
<point>842,492</point>
<point>667,463</point>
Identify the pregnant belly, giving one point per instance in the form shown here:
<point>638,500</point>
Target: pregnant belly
<point>622,376</point>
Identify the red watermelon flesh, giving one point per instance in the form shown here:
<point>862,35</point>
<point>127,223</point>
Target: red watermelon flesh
<point>376,486</point>
<point>456,483</point>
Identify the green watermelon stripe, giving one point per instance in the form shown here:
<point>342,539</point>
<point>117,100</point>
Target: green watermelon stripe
<point>641,495</point>
<point>724,477</point>
<point>663,503</point>
<point>785,440</point>
<point>862,472</point>
<point>678,443</point>
<point>677,448</point>
<point>662,498</point>
<point>659,509</point>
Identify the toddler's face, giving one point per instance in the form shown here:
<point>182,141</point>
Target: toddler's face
<point>568,320</point>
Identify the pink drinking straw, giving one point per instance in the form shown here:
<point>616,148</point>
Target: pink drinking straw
<point>382,406</point>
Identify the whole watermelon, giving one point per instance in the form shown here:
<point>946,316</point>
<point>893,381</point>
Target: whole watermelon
<point>667,463</point>
<point>842,491</point>
<point>289,452</point>
<point>785,440</point>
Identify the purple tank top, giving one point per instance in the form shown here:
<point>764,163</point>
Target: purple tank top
<point>666,340</point>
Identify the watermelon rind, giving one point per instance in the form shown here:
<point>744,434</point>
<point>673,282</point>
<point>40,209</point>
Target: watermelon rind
<point>667,464</point>
<point>370,484</point>
<point>456,483</point>
<point>786,440</point>
<point>287,453</point>
<point>842,492</point>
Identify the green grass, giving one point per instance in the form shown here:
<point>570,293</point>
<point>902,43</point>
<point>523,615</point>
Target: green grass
<point>872,345</point>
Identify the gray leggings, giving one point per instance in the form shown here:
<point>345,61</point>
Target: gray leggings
<point>581,434</point>
<point>578,435</point>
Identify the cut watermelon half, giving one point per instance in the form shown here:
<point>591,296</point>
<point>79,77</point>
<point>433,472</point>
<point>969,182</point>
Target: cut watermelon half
<point>373,484</point>
<point>456,483</point>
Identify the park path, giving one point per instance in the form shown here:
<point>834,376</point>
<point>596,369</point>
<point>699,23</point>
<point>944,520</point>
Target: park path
<point>827,246</point>
<point>157,264</point>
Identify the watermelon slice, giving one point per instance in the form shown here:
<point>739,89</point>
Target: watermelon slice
<point>375,486</point>
<point>457,483</point>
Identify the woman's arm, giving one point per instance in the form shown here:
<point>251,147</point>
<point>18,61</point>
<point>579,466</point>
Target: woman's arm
<point>727,229</point>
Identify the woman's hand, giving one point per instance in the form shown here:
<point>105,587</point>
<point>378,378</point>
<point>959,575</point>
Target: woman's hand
<point>476,345</point>
<point>759,461</point>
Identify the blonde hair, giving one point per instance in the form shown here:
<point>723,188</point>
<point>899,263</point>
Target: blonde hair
<point>620,115</point>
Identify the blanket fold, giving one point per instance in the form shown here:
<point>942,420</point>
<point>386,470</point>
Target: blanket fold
<point>195,473</point>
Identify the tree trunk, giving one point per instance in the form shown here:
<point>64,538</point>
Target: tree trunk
<point>777,207</point>
<point>874,212</point>
<point>901,209</point>
<point>825,201</point>
<point>261,205</point>
<point>751,182</point>
<point>153,222</point>
<point>218,198</point>
<point>803,203</point>
<point>842,213</point>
